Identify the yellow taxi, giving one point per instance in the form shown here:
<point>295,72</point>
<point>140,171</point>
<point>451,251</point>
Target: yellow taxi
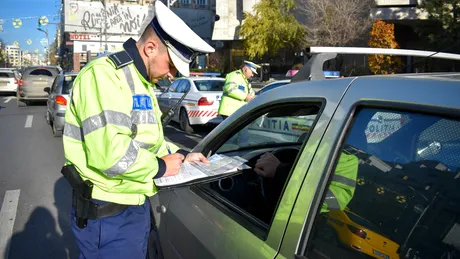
<point>361,235</point>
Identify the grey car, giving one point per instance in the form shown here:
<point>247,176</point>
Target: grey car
<point>402,130</point>
<point>58,99</point>
<point>33,82</point>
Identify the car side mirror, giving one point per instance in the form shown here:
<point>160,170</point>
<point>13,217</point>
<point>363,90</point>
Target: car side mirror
<point>47,89</point>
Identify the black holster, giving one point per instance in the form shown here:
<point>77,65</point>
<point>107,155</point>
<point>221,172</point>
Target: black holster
<point>84,207</point>
<point>81,195</point>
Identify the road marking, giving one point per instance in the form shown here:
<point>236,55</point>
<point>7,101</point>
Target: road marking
<point>29,120</point>
<point>9,99</point>
<point>7,217</point>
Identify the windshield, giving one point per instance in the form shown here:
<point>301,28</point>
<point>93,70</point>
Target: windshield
<point>209,85</point>
<point>6,75</point>
<point>40,72</point>
<point>67,84</point>
<point>286,125</point>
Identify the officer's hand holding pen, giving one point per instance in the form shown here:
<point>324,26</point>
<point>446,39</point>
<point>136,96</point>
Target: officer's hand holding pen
<point>173,163</point>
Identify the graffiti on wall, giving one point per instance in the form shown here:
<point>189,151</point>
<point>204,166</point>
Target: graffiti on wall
<point>128,19</point>
<point>117,16</point>
<point>93,17</point>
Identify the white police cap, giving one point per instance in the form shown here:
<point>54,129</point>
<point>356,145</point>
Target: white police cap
<point>182,42</point>
<point>253,66</point>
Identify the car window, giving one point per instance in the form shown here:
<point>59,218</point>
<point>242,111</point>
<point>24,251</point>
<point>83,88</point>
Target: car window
<point>209,85</point>
<point>401,198</point>
<point>183,87</point>
<point>271,128</point>
<point>269,87</point>
<point>383,124</point>
<point>40,72</point>
<point>67,84</point>
<point>283,128</point>
<point>54,86</point>
<point>173,87</point>
<point>6,75</point>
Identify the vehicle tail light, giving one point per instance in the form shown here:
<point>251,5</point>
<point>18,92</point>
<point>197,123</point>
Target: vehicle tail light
<point>203,101</point>
<point>16,81</point>
<point>61,100</point>
<point>359,232</point>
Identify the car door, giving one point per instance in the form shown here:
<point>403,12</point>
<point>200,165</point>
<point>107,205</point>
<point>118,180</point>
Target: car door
<point>52,95</point>
<point>212,220</point>
<point>177,95</point>
<point>165,99</point>
<point>405,202</point>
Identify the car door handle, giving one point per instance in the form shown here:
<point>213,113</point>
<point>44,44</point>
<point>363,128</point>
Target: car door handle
<point>161,209</point>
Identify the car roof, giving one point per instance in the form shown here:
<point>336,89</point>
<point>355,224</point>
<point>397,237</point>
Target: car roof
<point>70,73</point>
<point>195,78</point>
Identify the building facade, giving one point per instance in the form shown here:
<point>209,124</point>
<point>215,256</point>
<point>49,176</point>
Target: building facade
<point>405,14</point>
<point>91,28</point>
<point>14,55</point>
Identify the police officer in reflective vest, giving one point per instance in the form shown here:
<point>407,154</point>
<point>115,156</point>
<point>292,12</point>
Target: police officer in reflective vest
<point>113,137</point>
<point>237,89</point>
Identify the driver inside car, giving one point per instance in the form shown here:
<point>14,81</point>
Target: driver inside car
<point>341,188</point>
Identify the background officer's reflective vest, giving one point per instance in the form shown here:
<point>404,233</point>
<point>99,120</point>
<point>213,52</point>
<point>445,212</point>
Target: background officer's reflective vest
<point>113,133</point>
<point>236,89</point>
<point>343,184</point>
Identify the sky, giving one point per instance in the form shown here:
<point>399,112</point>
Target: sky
<point>25,10</point>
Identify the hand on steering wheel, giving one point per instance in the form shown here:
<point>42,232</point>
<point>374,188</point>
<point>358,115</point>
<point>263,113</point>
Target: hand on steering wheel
<point>266,165</point>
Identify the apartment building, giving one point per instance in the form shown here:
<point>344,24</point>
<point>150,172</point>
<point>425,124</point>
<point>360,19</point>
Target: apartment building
<point>14,55</point>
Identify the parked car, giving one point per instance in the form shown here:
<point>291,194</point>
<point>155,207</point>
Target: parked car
<point>353,231</point>
<point>327,75</point>
<point>8,81</point>
<point>58,98</point>
<point>33,83</point>
<point>407,179</point>
<point>199,106</point>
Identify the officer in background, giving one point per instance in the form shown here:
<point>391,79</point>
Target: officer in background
<point>113,137</point>
<point>237,89</point>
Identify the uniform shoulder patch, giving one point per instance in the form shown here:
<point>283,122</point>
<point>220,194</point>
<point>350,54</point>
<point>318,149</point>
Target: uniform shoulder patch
<point>120,59</point>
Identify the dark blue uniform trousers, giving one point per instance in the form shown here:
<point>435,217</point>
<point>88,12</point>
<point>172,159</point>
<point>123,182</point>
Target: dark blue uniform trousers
<point>123,235</point>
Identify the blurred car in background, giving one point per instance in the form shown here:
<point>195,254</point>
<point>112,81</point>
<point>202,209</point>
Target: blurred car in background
<point>199,106</point>
<point>8,80</point>
<point>34,80</point>
<point>58,98</point>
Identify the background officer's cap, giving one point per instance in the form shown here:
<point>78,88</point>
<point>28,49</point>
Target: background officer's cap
<point>183,44</point>
<point>253,66</point>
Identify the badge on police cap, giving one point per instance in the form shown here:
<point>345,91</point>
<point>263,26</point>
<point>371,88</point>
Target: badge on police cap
<point>183,43</point>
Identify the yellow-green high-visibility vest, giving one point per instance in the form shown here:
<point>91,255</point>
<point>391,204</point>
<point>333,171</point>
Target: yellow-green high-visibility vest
<point>236,89</point>
<point>113,133</point>
<point>343,184</point>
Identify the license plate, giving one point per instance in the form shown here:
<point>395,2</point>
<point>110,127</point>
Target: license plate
<point>380,254</point>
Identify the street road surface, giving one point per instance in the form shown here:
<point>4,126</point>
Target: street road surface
<point>35,198</point>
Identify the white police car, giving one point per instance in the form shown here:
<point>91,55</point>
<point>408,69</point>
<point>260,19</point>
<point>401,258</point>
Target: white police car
<point>200,104</point>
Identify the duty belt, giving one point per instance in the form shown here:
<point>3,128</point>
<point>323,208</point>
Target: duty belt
<point>85,208</point>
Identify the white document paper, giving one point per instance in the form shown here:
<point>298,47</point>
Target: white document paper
<point>218,165</point>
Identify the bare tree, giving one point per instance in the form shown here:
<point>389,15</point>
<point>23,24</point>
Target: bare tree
<point>336,22</point>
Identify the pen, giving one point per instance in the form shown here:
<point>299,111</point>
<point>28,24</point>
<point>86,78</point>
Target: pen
<point>169,150</point>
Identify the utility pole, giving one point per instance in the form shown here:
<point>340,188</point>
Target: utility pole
<point>48,42</point>
<point>105,23</point>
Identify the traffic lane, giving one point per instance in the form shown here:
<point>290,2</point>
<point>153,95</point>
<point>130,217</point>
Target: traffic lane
<point>184,140</point>
<point>31,160</point>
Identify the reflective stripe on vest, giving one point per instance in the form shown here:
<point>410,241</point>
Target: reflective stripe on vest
<point>100,120</point>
